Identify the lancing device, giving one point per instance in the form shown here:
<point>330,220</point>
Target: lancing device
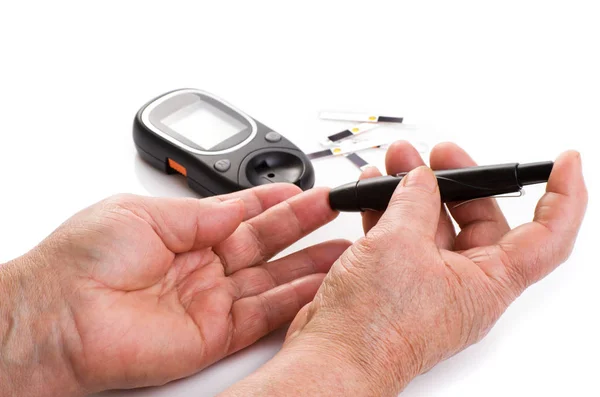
<point>455,185</point>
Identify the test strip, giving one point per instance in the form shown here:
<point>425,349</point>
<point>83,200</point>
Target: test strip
<point>320,154</point>
<point>359,129</point>
<point>350,148</point>
<point>360,117</point>
<point>357,161</point>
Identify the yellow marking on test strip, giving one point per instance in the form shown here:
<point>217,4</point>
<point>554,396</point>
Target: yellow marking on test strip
<point>372,118</point>
<point>337,150</point>
<point>355,129</point>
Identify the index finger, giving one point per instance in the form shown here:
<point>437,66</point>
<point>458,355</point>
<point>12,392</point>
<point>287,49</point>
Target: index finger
<point>183,223</point>
<point>259,199</point>
<point>535,249</point>
<point>260,238</point>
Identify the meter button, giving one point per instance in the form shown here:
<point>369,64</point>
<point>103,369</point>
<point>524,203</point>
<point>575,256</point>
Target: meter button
<point>223,165</point>
<point>272,137</point>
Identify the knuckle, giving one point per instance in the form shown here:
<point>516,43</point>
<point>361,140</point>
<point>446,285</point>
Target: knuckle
<point>119,201</point>
<point>366,247</point>
<point>563,251</point>
<point>362,254</point>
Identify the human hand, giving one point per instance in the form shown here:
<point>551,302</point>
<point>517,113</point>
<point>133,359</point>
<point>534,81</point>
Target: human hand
<point>148,290</point>
<point>411,293</point>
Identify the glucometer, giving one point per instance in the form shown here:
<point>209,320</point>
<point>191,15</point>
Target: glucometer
<point>217,147</point>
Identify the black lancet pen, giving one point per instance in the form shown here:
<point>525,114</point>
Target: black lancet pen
<point>455,185</point>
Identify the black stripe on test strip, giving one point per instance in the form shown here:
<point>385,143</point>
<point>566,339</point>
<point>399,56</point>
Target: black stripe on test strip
<point>340,135</point>
<point>320,154</point>
<point>386,119</point>
<point>356,160</point>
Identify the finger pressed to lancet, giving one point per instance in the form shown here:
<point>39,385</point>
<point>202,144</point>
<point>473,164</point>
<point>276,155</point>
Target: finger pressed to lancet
<point>262,237</point>
<point>261,198</point>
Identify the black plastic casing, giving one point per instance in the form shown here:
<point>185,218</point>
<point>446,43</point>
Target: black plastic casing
<point>455,185</point>
<point>256,163</point>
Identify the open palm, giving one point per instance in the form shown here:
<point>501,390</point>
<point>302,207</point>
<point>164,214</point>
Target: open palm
<point>166,287</point>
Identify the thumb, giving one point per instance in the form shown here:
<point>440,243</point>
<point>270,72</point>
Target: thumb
<point>414,208</point>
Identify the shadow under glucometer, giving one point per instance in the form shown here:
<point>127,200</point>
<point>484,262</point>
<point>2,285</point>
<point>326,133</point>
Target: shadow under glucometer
<point>160,184</point>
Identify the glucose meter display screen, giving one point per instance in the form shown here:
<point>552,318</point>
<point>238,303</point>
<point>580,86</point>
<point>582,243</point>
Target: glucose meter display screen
<point>204,124</point>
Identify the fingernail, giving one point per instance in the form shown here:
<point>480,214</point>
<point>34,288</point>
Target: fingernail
<point>420,177</point>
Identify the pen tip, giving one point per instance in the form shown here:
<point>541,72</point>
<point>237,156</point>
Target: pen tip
<point>343,198</point>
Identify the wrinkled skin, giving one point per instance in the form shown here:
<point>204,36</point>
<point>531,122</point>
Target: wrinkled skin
<point>138,291</point>
<point>152,289</point>
<point>411,293</point>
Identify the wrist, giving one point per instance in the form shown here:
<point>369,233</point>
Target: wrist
<point>303,370</point>
<point>311,365</point>
<point>375,367</point>
<point>34,323</point>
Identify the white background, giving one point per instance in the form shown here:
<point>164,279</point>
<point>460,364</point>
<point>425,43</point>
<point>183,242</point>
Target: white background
<point>510,81</point>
